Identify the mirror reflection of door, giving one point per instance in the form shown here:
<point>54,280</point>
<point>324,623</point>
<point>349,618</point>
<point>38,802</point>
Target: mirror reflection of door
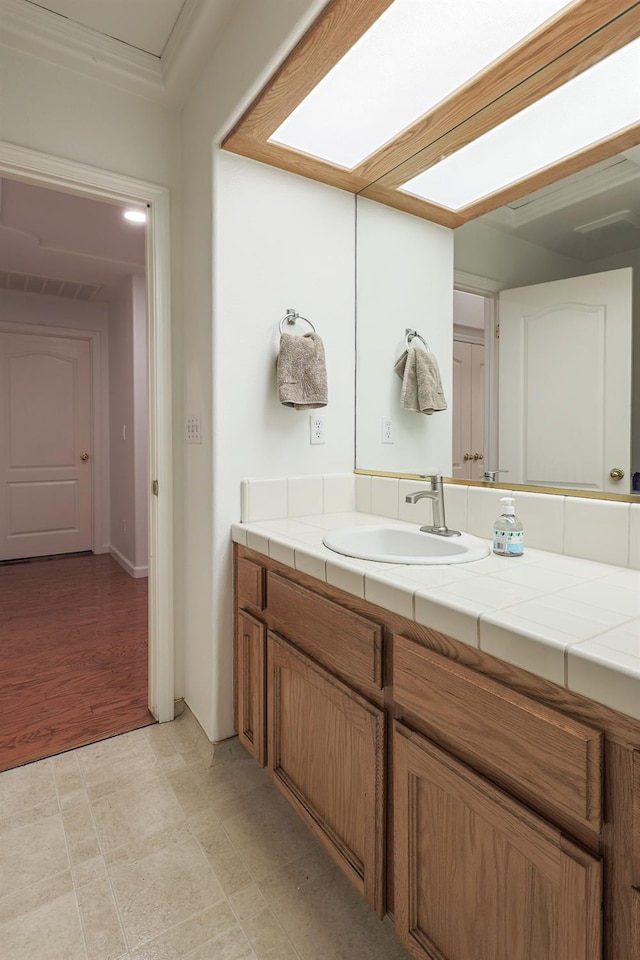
<point>468,400</point>
<point>565,381</point>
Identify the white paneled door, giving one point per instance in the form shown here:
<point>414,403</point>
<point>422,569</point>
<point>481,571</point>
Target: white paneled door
<point>468,410</point>
<point>565,382</point>
<point>46,460</point>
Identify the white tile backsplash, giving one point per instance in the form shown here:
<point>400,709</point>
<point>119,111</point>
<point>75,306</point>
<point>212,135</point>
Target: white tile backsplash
<point>634,536</point>
<point>265,500</point>
<point>304,496</point>
<point>384,496</point>
<point>455,506</point>
<point>542,517</point>
<point>597,530</point>
<point>363,493</point>
<point>339,493</point>
<point>483,507</point>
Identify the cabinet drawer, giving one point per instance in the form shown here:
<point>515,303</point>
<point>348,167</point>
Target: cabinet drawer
<point>636,822</point>
<point>522,743</point>
<point>250,583</point>
<point>345,643</point>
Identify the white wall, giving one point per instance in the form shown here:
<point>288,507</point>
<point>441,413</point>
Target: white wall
<point>405,279</point>
<point>257,38</point>
<point>128,426</point>
<point>282,241</point>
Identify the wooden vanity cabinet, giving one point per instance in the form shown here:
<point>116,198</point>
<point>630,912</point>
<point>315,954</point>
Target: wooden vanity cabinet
<point>326,755</point>
<point>501,810</point>
<point>478,875</point>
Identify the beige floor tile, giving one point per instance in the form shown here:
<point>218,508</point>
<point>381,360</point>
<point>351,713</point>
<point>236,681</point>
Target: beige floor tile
<point>332,920</point>
<point>186,937</point>
<point>126,816</point>
<point>80,830</point>
<point>102,930</point>
<point>223,857</point>
<point>53,932</point>
<point>187,789</point>
<point>164,889</point>
<point>23,818</point>
<point>32,853</point>
<point>248,901</point>
<point>17,904</point>
<point>268,939</point>
<point>66,772</point>
<point>88,871</point>
<point>116,757</point>
<point>268,833</point>
<point>290,879</point>
<point>225,785</point>
<point>232,945</point>
<point>153,842</point>
<point>26,787</point>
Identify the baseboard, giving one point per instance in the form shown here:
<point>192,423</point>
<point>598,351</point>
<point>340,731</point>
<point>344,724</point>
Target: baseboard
<point>133,571</point>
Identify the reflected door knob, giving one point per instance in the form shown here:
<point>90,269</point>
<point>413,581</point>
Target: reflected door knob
<point>84,457</point>
<point>467,456</point>
<point>477,456</point>
<point>616,473</point>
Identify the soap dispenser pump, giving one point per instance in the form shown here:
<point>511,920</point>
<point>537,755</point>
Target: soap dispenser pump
<point>508,532</point>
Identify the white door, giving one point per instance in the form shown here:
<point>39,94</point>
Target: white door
<point>565,382</point>
<point>468,410</point>
<point>45,445</point>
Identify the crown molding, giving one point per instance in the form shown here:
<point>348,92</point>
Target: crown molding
<point>192,40</point>
<point>54,38</point>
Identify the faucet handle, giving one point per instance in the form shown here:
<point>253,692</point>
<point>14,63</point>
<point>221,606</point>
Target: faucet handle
<point>433,477</point>
<point>490,475</point>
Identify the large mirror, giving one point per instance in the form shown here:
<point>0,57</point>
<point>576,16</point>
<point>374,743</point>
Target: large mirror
<point>551,401</point>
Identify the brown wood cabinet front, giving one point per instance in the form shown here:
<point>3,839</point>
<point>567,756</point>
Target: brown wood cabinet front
<point>478,876</point>
<point>250,657</point>
<point>326,755</point>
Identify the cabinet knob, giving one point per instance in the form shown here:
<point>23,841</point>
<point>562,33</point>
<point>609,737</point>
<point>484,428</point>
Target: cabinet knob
<point>616,473</point>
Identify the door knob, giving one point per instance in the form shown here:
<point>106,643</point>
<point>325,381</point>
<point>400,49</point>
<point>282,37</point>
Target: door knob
<point>84,457</point>
<point>616,473</point>
<point>467,456</point>
<point>477,456</point>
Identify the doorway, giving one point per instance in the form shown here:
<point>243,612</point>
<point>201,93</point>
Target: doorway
<point>78,179</point>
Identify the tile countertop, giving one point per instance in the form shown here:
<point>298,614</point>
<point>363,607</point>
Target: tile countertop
<point>574,622</point>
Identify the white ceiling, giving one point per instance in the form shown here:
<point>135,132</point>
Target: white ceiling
<point>62,236</point>
<point>145,24</point>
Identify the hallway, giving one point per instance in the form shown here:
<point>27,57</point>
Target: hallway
<point>73,655</point>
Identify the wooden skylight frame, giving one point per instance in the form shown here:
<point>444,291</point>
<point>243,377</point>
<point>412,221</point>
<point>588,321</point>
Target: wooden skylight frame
<point>569,43</point>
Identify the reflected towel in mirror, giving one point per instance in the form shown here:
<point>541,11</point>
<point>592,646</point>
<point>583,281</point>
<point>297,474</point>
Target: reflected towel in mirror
<point>421,384</point>
<point>301,372</point>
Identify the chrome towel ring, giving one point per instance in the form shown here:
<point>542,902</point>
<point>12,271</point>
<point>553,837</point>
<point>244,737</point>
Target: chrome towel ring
<point>414,335</point>
<point>290,318</point>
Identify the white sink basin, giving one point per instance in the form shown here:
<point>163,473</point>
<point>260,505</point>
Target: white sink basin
<point>396,545</point>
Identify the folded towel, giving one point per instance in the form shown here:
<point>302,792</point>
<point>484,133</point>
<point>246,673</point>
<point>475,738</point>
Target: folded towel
<point>301,372</point>
<point>421,385</point>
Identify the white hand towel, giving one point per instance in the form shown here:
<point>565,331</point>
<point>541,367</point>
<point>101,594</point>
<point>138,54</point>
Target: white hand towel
<point>301,372</point>
<point>421,384</point>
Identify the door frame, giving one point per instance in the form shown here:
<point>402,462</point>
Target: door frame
<point>59,173</point>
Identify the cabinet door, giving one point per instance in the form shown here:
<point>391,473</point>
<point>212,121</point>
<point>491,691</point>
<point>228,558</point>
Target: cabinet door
<point>480,877</point>
<point>326,755</point>
<point>250,685</point>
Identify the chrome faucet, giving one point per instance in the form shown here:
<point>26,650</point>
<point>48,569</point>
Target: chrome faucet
<point>436,495</point>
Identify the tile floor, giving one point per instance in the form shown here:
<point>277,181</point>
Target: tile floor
<point>143,848</point>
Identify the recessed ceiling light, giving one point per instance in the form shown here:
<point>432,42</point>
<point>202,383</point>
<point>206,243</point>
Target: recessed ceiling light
<point>135,216</point>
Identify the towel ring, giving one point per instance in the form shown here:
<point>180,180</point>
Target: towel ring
<point>290,317</point>
<point>414,335</point>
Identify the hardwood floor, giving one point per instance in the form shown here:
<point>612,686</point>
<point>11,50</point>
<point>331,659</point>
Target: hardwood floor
<point>73,655</point>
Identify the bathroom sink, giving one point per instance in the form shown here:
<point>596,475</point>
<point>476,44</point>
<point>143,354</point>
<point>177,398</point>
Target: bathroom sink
<point>397,545</point>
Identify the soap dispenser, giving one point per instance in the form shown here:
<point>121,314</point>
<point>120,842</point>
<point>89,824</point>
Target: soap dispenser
<point>508,535</point>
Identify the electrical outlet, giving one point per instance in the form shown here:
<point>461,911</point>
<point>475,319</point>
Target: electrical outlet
<point>387,430</point>
<point>194,434</point>
<point>316,429</point>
